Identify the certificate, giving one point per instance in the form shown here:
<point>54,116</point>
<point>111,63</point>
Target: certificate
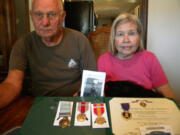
<point>129,115</point>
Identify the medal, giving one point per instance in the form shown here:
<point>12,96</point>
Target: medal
<point>82,107</point>
<point>65,112</point>
<point>99,110</point>
<point>126,114</point>
<point>64,122</point>
<point>81,117</point>
<point>100,120</point>
<point>143,104</point>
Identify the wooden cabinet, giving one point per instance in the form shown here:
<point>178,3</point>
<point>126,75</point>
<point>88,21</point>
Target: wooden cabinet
<point>7,30</point>
<point>79,15</point>
<point>10,29</point>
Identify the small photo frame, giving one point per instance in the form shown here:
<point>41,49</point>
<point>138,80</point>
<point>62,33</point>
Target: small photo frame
<point>93,83</point>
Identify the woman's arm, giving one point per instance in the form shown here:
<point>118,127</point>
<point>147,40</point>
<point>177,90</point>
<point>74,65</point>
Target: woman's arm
<point>166,91</point>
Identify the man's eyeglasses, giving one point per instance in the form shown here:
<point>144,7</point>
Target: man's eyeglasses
<point>40,15</point>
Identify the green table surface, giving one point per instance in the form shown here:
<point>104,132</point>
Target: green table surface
<point>41,117</point>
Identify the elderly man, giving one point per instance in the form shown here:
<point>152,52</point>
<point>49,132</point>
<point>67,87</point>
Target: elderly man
<point>55,56</point>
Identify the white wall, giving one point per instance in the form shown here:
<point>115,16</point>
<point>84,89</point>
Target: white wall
<point>164,37</point>
<point>31,23</point>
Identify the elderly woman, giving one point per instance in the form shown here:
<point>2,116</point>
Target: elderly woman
<point>127,60</point>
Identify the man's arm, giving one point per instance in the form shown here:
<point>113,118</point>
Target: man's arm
<point>11,87</point>
<point>166,91</point>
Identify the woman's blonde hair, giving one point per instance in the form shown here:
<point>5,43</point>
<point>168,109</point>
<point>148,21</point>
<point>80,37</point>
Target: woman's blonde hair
<point>121,19</point>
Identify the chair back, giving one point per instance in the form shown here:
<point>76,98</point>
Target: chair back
<point>99,40</point>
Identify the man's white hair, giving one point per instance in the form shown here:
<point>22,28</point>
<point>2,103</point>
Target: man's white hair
<point>60,4</point>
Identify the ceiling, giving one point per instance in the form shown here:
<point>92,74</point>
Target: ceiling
<point>111,8</point>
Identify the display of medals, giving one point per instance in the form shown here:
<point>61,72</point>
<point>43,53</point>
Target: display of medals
<point>82,115</point>
<point>126,114</point>
<point>63,115</point>
<point>99,116</point>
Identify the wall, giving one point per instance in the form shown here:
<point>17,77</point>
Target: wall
<point>21,21</point>
<point>164,37</point>
<point>104,21</point>
<point>1,56</point>
<point>31,23</point>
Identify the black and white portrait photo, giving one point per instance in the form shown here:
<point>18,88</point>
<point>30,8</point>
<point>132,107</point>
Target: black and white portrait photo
<point>93,84</point>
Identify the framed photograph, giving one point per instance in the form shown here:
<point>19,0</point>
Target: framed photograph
<point>92,83</point>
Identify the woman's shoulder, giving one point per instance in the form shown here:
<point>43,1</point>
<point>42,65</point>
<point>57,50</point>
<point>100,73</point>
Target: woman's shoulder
<point>105,55</point>
<point>147,57</point>
<point>147,54</point>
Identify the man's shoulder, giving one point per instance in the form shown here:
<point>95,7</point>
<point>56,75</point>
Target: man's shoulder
<point>73,33</point>
<point>26,40</point>
<point>28,36</point>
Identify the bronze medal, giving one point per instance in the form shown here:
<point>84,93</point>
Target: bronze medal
<point>143,104</point>
<point>100,120</point>
<point>81,117</point>
<point>64,122</point>
<point>82,107</point>
<point>65,114</point>
<point>99,111</point>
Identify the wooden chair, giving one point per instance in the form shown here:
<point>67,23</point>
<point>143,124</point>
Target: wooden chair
<point>99,40</point>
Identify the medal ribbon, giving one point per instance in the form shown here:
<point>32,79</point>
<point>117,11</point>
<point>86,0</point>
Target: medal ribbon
<point>83,107</point>
<point>125,106</point>
<point>65,108</point>
<point>98,109</point>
